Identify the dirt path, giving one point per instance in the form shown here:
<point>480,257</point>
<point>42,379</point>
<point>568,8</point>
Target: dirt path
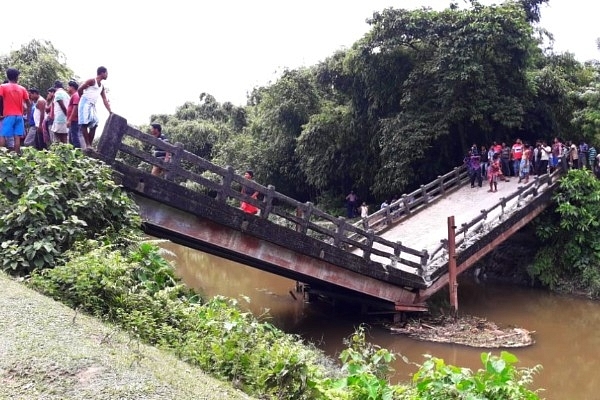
<point>48,352</point>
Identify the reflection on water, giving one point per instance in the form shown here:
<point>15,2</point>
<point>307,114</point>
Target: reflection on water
<point>566,328</point>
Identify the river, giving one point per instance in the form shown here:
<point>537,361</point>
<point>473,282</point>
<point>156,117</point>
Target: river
<point>566,328</point>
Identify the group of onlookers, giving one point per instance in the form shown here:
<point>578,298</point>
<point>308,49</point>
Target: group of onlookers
<point>65,115</point>
<point>500,161</point>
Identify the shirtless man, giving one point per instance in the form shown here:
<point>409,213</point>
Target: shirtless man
<point>89,92</point>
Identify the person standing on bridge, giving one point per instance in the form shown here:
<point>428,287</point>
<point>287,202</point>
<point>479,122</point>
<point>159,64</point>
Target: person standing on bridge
<point>89,92</point>
<point>59,132</point>
<point>364,214</point>
<point>494,171</point>
<point>351,202</point>
<point>156,131</point>
<point>473,164</point>
<point>248,191</point>
<point>36,120</point>
<point>516,155</point>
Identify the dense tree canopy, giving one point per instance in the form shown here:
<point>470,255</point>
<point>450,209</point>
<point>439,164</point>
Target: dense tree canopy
<point>403,103</point>
<point>394,110</point>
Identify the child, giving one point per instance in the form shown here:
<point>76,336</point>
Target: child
<point>493,172</point>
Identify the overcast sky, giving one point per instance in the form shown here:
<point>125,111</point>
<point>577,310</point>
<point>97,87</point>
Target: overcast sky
<point>161,54</point>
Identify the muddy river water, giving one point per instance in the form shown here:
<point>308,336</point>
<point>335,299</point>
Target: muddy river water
<point>567,330</point>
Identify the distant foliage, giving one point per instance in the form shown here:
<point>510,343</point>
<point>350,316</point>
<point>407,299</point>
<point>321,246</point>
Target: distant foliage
<point>49,200</point>
<point>570,257</point>
<point>40,64</point>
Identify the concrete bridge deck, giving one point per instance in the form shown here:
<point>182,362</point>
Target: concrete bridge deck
<point>427,228</point>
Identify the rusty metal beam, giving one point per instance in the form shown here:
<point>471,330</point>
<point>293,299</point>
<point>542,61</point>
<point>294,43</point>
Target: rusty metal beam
<point>452,264</point>
<point>202,233</point>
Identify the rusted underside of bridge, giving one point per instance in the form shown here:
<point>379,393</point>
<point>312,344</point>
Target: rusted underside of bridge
<point>183,216</point>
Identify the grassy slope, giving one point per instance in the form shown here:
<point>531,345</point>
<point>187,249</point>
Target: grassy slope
<point>48,351</point>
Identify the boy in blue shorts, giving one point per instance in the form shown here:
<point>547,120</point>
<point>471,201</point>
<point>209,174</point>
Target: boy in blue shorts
<point>14,100</point>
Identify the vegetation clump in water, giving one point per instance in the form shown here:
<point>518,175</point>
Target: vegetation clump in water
<point>466,330</point>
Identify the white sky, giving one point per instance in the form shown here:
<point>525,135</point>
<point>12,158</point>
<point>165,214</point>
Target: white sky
<point>161,54</point>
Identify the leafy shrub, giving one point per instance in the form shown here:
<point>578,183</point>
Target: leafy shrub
<point>50,200</point>
<point>140,293</point>
<point>570,232</point>
<point>365,373</point>
<point>499,379</point>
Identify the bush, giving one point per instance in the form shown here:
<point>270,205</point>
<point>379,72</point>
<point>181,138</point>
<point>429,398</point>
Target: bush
<point>140,293</point>
<point>570,232</point>
<point>499,379</point>
<point>49,200</point>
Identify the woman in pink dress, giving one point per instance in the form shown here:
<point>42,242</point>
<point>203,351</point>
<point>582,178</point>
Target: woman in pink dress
<point>494,172</point>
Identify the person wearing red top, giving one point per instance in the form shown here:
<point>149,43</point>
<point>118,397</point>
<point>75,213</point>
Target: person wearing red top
<point>516,154</point>
<point>73,115</point>
<point>13,97</point>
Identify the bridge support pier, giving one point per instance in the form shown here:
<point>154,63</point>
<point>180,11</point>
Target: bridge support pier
<point>453,285</point>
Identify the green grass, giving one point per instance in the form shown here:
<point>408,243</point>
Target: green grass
<point>49,351</point>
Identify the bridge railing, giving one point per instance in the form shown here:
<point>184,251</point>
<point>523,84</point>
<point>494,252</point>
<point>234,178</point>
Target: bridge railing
<point>419,199</point>
<point>494,214</point>
<point>117,148</point>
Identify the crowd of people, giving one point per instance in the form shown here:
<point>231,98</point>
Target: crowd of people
<point>65,115</point>
<point>521,160</point>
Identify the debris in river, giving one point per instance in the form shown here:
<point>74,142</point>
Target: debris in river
<point>466,330</point>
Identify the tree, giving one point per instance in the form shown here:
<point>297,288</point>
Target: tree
<point>570,232</point>
<point>40,64</point>
<point>532,9</point>
<point>277,115</point>
<point>558,83</point>
<point>328,149</point>
<point>202,126</point>
<point>469,84</point>
<point>364,85</point>
<point>586,118</point>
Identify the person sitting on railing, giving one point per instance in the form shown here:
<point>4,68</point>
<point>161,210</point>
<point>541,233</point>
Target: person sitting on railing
<point>156,131</point>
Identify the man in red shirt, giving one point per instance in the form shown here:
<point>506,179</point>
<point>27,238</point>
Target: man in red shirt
<point>516,154</point>
<point>12,99</point>
<point>73,115</point>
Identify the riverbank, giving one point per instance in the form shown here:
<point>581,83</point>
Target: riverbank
<point>49,351</point>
